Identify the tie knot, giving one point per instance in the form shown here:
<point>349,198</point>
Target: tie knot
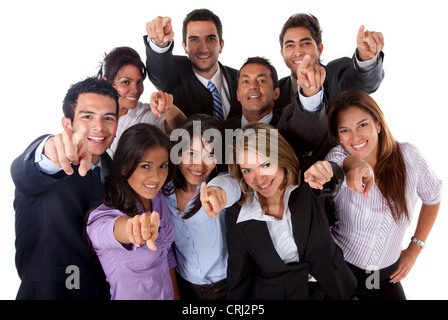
<point>211,86</point>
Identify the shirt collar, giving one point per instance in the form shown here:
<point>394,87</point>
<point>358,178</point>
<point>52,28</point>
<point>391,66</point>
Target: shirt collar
<point>266,119</point>
<point>251,209</point>
<point>93,166</point>
<point>216,79</point>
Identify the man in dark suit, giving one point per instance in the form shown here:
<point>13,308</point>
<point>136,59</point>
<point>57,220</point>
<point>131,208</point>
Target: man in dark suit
<point>55,187</point>
<point>301,36</point>
<point>313,86</point>
<point>257,91</point>
<point>187,78</point>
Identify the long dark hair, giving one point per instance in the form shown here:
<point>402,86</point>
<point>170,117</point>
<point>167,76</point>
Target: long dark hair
<point>390,168</point>
<point>190,126</point>
<point>133,144</point>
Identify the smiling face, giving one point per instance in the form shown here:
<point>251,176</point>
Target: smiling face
<point>256,91</point>
<point>129,84</point>
<point>261,174</point>
<point>297,43</point>
<point>358,133</point>
<point>150,175</point>
<point>197,162</point>
<point>203,47</point>
<point>96,114</point>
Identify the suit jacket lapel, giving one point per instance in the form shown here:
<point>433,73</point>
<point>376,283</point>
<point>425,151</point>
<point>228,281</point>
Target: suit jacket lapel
<point>300,217</point>
<point>257,234</point>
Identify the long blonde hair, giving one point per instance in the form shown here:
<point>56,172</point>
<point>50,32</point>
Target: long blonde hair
<point>390,169</point>
<point>264,140</point>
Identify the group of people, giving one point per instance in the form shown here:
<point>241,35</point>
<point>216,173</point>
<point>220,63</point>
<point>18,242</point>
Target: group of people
<point>315,192</point>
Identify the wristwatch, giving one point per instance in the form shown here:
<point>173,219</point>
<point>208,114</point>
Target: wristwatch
<point>419,242</point>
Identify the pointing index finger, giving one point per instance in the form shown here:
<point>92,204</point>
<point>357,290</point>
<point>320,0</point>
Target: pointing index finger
<point>305,62</point>
<point>361,36</point>
<point>80,136</point>
<point>84,158</point>
<point>203,193</point>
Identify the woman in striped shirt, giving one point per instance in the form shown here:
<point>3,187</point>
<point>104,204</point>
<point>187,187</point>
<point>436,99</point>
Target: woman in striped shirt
<point>388,177</point>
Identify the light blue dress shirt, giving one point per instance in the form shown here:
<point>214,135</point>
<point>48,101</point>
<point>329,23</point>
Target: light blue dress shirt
<point>200,241</point>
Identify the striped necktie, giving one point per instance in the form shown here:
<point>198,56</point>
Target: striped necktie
<point>217,106</point>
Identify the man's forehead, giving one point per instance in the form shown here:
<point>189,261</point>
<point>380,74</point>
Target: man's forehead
<point>255,68</point>
<point>201,28</point>
<point>297,33</point>
<point>95,103</point>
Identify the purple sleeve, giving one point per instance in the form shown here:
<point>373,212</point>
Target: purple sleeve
<point>100,228</point>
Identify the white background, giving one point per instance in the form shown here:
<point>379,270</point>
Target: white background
<point>48,45</point>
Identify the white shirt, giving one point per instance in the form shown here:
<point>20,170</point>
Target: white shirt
<point>365,229</point>
<point>280,230</point>
<point>222,88</point>
<point>142,113</point>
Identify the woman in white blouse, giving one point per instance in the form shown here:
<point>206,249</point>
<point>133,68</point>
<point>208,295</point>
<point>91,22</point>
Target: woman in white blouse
<point>125,70</point>
<point>388,177</point>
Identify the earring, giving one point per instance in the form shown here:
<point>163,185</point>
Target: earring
<point>379,131</point>
<point>242,187</point>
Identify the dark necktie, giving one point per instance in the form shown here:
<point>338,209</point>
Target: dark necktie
<point>217,106</point>
<point>97,172</point>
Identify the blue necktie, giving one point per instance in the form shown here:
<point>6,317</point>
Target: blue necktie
<point>217,106</point>
<point>97,172</point>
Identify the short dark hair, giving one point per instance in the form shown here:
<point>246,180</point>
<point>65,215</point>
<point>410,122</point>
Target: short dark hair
<point>116,59</point>
<point>201,15</point>
<point>89,85</point>
<point>303,20</point>
<point>133,144</point>
<point>265,62</point>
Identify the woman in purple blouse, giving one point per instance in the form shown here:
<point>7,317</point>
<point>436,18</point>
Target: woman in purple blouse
<point>132,231</point>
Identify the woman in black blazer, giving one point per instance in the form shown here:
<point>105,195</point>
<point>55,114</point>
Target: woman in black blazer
<point>278,235</point>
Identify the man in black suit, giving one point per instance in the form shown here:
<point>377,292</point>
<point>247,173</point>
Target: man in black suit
<point>55,187</point>
<point>313,86</point>
<point>301,36</point>
<point>187,78</point>
<point>257,91</point>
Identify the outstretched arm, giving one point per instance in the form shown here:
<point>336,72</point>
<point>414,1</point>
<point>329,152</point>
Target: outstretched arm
<point>359,175</point>
<point>162,104</point>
